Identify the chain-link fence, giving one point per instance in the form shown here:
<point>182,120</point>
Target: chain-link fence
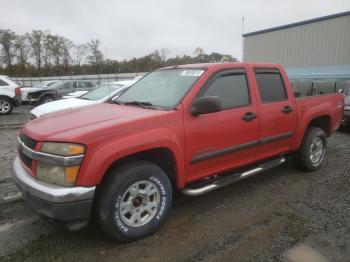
<point>103,78</point>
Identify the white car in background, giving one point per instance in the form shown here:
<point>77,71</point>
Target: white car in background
<point>75,94</point>
<point>98,95</point>
<point>37,87</point>
<point>10,95</point>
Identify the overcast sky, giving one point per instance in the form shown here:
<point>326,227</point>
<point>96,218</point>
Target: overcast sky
<point>133,28</point>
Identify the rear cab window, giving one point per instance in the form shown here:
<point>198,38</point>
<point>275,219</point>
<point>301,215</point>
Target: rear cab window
<point>270,85</point>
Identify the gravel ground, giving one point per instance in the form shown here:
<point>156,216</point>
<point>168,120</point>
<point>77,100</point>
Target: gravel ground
<point>281,215</point>
<point>9,128</point>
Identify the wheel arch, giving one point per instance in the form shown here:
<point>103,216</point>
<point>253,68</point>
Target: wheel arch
<point>12,102</point>
<point>5,96</point>
<point>160,156</point>
<point>51,94</point>
<point>323,121</point>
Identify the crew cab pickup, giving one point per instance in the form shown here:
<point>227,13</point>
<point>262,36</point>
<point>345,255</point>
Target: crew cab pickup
<point>191,128</point>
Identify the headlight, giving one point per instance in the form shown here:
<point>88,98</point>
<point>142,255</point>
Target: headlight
<point>56,174</point>
<point>63,149</point>
<point>60,175</point>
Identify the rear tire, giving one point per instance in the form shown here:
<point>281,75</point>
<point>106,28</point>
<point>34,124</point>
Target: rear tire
<point>6,106</point>
<point>134,200</point>
<point>312,151</point>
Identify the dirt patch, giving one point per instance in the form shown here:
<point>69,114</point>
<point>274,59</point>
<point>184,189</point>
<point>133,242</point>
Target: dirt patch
<point>304,253</point>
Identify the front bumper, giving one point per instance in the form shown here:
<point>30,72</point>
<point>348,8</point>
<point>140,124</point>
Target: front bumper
<point>33,100</point>
<point>346,118</point>
<point>68,205</point>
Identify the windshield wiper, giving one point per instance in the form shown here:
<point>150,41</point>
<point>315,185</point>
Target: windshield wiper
<point>138,103</point>
<point>117,102</point>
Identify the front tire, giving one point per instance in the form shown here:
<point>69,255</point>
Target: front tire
<point>313,149</point>
<point>134,200</point>
<point>46,99</point>
<point>6,106</point>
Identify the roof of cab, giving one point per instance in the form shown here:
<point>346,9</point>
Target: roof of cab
<point>222,65</point>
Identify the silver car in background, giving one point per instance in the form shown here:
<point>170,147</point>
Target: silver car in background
<point>98,95</point>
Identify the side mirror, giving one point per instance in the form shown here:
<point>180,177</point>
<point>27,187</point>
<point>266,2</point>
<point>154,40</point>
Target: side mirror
<point>340,90</point>
<point>206,105</point>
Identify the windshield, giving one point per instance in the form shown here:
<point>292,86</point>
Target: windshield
<point>50,83</point>
<point>101,92</point>
<point>56,85</point>
<point>163,88</point>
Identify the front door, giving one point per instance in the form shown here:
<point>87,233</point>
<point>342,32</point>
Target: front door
<point>227,139</point>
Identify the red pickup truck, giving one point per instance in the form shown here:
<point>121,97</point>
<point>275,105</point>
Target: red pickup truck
<point>192,128</point>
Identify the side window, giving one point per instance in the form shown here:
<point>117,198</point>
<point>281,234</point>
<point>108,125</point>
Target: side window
<point>270,85</point>
<point>3,83</point>
<point>66,85</point>
<point>231,88</point>
<point>83,85</point>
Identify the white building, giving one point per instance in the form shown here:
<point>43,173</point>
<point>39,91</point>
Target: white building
<point>318,42</point>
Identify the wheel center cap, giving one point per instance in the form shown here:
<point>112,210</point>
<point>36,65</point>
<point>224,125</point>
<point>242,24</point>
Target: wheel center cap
<point>137,201</point>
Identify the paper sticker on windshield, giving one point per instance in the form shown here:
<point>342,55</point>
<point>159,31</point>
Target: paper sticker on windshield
<point>191,73</point>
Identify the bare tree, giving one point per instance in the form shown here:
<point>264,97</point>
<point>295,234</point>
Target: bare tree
<point>22,51</point>
<point>37,45</point>
<point>56,50</point>
<point>198,51</point>
<point>66,49</point>
<point>164,52</point>
<point>80,51</point>
<point>48,45</point>
<point>96,57</point>
<point>8,52</point>
<point>156,57</point>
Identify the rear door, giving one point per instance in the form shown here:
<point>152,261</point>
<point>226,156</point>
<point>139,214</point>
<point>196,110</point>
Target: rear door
<point>277,110</point>
<point>6,89</point>
<point>223,140</point>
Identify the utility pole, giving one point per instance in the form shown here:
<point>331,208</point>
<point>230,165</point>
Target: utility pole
<point>242,43</point>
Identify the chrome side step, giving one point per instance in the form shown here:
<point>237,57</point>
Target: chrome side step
<point>232,178</point>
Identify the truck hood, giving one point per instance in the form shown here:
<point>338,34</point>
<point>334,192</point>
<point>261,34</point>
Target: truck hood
<point>81,124</point>
<point>60,105</point>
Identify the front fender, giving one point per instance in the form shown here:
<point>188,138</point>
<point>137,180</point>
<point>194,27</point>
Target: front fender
<point>97,160</point>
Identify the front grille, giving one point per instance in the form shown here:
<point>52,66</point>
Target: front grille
<point>26,160</point>
<point>31,143</point>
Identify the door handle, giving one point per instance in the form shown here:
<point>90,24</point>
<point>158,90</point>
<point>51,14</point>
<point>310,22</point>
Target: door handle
<point>287,109</point>
<point>249,116</point>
